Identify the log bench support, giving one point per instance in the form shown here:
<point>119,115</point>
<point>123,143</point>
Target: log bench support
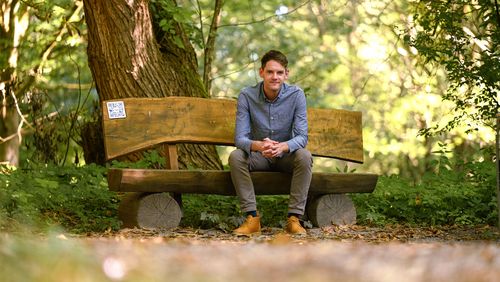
<point>153,210</point>
<point>153,196</point>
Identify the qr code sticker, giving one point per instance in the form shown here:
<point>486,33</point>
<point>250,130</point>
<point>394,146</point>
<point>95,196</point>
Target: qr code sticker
<point>116,110</point>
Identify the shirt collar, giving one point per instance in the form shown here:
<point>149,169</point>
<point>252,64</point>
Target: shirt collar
<point>263,96</point>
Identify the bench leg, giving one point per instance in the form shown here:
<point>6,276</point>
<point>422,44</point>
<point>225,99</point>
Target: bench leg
<point>331,209</point>
<point>149,210</point>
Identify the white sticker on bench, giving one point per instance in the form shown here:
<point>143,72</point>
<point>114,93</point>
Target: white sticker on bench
<point>116,109</point>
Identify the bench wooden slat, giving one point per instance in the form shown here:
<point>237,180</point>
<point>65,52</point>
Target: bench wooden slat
<point>219,182</point>
<point>152,121</point>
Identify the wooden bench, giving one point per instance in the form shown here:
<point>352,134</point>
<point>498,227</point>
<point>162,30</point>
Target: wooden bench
<point>136,124</point>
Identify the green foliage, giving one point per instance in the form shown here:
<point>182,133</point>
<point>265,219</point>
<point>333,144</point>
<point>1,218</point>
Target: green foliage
<point>348,56</point>
<point>346,169</point>
<point>171,16</point>
<point>47,77</point>
<point>56,131</point>
<point>209,211</point>
<point>223,212</point>
<point>461,195</point>
<point>150,159</point>
<point>75,198</point>
<point>451,194</point>
<point>465,39</point>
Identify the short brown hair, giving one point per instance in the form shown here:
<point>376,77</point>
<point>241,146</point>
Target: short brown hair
<point>275,56</point>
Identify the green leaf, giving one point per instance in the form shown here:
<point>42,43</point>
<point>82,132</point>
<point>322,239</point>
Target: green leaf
<point>178,41</point>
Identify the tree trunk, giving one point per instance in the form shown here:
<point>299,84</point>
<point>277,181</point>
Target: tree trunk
<point>14,21</point>
<point>9,122</point>
<point>128,60</point>
<point>210,45</point>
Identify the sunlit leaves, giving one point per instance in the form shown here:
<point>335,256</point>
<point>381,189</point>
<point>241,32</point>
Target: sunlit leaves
<point>168,15</point>
<point>464,38</point>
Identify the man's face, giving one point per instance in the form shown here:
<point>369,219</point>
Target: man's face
<point>273,74</point>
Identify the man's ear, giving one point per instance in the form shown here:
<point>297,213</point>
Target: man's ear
<point>261,72</point>
<point>286,73</point>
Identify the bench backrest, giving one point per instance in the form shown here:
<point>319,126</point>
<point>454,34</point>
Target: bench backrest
<point>134,124</point>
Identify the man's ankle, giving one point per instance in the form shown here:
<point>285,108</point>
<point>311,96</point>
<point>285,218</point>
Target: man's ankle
<point>252,213</point>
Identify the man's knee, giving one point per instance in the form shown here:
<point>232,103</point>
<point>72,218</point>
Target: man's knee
<point>236,156</point>
<point>303,157</point>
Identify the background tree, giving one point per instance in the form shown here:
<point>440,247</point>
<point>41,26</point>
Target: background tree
<point>15,20</point>
<point>133,54</point>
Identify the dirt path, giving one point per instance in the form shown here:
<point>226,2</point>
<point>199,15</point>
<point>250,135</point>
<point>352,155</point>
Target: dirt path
<point>335,254</point>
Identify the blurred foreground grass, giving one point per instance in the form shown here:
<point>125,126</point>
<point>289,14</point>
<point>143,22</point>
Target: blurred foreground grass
<point>51,258</point>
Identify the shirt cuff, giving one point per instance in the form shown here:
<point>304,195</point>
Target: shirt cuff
<point>292,146</point>
<point>247,146</point>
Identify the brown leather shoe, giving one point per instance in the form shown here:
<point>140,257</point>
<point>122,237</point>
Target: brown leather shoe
<point>293,226</point>
<point>251,226</point>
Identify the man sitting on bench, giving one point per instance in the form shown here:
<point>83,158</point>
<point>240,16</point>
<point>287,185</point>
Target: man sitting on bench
<point>271,135</point>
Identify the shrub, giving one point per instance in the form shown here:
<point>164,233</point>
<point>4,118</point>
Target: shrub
<point>75,198</point>
<point>463,195</point>
<point>223,212</point>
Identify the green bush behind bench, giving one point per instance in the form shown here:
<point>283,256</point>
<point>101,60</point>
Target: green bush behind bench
<point>463,194</point>
<point>77,199</point>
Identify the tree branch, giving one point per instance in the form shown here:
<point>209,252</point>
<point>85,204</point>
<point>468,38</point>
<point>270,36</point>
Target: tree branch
<point>210,45</point>
<point>24,131</point>
<point>200,18</point>
<point>266,18</point>
<point>18,133</point>
<point>497,12</point>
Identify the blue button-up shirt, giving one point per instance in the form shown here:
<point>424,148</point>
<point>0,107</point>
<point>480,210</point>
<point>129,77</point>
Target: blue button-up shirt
<point>283,120</point>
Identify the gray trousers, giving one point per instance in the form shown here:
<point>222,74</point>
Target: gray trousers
<point>298,164</point>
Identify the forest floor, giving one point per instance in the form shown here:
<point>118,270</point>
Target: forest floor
<point>337,253</point>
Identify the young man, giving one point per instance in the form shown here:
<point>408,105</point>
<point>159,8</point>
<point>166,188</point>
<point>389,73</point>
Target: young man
<point>271,135</point>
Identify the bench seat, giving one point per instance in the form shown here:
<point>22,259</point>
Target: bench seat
<point>219,182</point>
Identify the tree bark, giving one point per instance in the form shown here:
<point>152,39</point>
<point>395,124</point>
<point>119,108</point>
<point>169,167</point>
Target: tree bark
<point>13,25</point>
<point>129,57</point>
<point>9,122</point>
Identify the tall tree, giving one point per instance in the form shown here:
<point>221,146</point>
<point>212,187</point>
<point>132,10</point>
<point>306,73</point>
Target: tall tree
<point>133,54</point>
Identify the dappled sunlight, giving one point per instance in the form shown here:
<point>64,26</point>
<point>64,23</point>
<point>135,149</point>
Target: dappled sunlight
<point>374,53</point>
<point>142,34</point>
